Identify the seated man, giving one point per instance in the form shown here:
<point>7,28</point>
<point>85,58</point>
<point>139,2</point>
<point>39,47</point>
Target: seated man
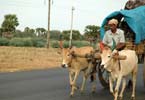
<point>114,38</point>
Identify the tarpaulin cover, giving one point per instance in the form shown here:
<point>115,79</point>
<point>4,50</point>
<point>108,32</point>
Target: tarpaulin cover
<point>135,19</point>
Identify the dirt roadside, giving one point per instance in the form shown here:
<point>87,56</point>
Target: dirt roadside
<point>27,58</point>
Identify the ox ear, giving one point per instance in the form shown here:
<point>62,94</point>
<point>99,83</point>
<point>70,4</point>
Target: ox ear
<point>72,50</point>
<point>119,57</point>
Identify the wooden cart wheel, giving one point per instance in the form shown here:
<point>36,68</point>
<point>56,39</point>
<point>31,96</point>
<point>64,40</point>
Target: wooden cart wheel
<point>103,76</point>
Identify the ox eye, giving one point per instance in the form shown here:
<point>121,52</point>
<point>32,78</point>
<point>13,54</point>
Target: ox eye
<point>109,56</point>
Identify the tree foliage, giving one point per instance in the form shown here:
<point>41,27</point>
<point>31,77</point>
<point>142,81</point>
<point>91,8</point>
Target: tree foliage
<point>92,32</point>
<point>55,34</point>
<point>10,23</point>
<point>28,32</point>
<point>75,35</point>
<point>41,32</point>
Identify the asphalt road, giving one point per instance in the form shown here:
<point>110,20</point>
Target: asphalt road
<point>54,85</point>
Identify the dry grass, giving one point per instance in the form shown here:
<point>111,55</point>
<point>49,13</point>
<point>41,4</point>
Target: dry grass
<point>22,58</point>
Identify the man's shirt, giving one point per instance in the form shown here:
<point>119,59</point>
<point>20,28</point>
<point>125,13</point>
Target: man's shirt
<point>118,37</point>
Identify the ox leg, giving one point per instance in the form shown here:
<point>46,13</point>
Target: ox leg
<point>94,83</point>
<point>111,85</point>
<point>74,83</point>
<point>90,68</point>
<point>134,83</point>
<point>71,77</point>
<point>123,88</point>
<point>85,77</point>
<point>84,81</point>
<point>117,87</point>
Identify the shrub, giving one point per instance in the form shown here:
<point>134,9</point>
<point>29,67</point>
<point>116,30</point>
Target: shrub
<point>80,43</point>
<point>38,42</point>
<point>55,44</point>
<point>21,42</point>
<point>4,42</point>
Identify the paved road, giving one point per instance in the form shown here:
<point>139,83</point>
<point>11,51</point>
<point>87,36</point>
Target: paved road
<point>53,85</point>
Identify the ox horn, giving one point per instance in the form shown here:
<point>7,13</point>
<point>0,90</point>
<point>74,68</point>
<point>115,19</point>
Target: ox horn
<point>61,44</point>
<point>101,46</point>
<point>60,41</point>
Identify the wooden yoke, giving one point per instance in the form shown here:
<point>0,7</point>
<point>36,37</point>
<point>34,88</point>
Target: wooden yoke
<point>92,55</point>
<point>119,57</point>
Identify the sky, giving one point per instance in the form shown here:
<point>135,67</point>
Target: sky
<point>34,13</point>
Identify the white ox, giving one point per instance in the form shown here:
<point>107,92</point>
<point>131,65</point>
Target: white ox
<point>77,64</point>
<point>119,69</point>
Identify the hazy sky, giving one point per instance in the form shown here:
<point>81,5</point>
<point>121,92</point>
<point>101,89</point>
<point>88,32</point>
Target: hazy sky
<point>33,13</point>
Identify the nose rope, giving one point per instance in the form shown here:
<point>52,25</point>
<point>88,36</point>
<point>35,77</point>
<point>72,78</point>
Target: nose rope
<point>119,65</point>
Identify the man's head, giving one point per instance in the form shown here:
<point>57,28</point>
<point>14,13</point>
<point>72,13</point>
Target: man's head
<point>113,21</point>
<point>113,24</point>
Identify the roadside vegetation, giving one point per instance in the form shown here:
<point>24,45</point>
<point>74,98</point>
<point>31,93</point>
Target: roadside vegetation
<point>25,49</point>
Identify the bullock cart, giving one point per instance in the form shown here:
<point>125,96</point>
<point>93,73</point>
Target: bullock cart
<point>132,22</point>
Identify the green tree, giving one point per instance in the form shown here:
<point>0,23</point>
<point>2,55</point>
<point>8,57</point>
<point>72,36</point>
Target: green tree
<point>0,32</point>
<point>55,34</point>
<point>28,32</point>
<point>75,35</point>
<point>10,23</point>
<point>18,33</point>
<point>92,32</point>
<point>41,32</point>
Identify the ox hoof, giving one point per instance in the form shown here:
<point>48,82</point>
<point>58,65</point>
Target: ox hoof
<point>120,98</point>
<point>76,87</point>
<point>81,90</point>
<point>71,95</point>
<point>93,90</point>
<point>112,93</point>
<point>132,98</point>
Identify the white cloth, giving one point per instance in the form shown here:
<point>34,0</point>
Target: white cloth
<point>118,37</point>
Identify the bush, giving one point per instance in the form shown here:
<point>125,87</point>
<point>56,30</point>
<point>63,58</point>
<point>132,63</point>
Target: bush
<point>38,42</point>
<point>21,42</point>
<point>4,42</point>
<point>55,44</point>
<point>80,43</point>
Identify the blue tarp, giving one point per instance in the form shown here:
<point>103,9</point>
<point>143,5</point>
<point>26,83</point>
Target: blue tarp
<point>135,19</point>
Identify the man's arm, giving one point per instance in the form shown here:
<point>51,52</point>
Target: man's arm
<point>120,46</point>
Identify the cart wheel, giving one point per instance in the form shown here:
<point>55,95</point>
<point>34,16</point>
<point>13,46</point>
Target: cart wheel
<point>103,76</point>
